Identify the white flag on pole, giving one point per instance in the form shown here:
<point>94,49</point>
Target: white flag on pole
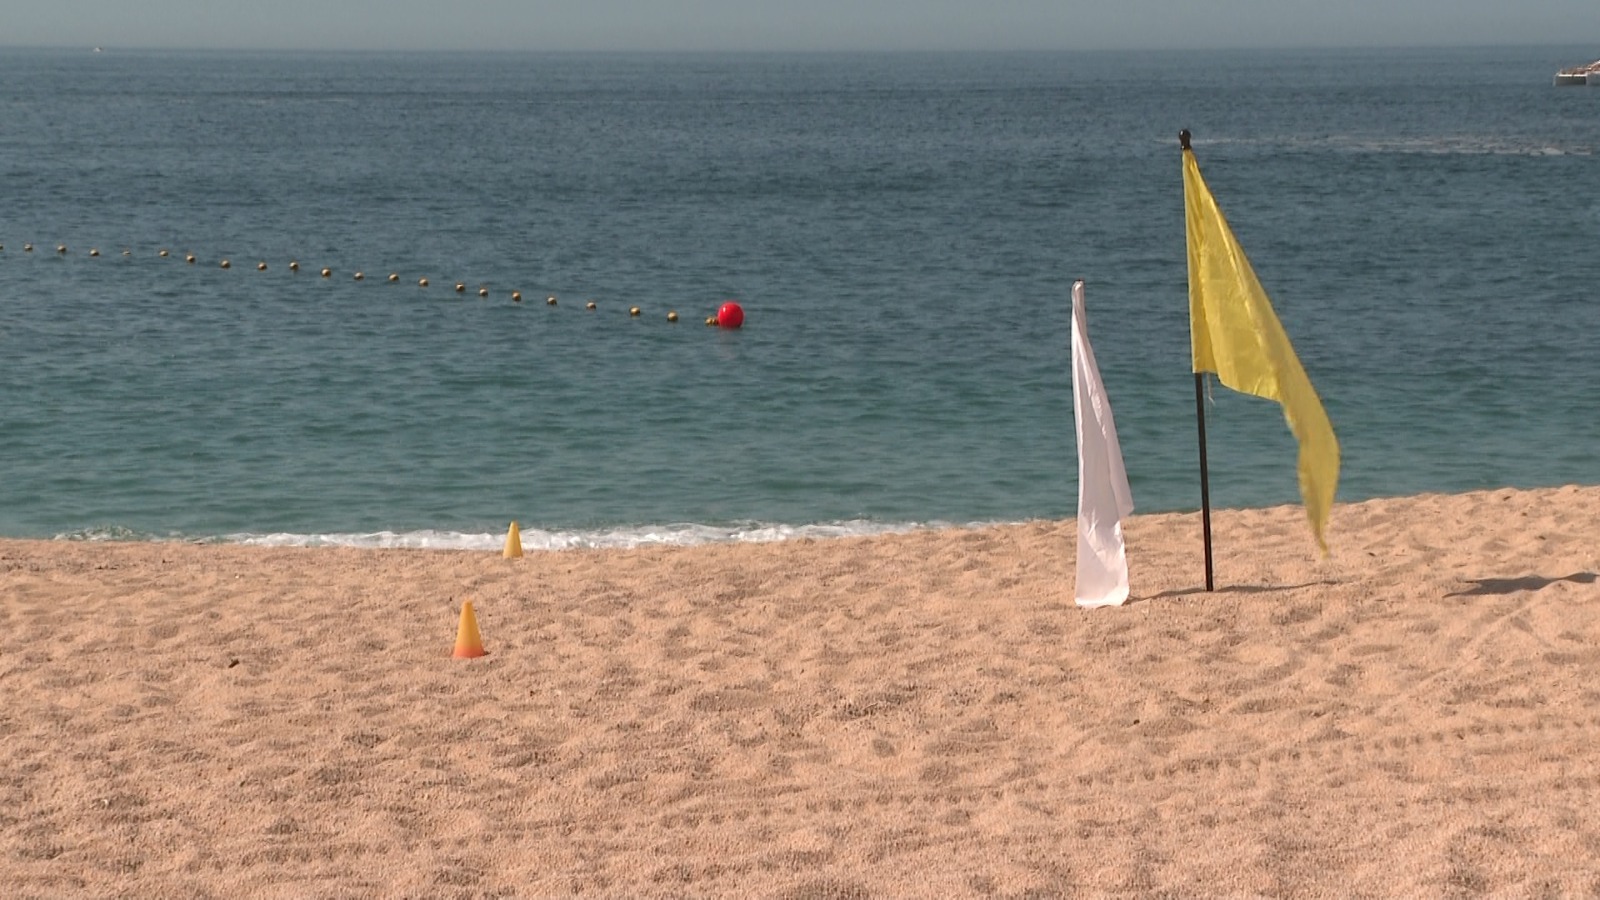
<point>1103,493</point>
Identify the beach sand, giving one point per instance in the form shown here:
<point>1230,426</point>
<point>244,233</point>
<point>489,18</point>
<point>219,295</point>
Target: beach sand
<point>918,715</point>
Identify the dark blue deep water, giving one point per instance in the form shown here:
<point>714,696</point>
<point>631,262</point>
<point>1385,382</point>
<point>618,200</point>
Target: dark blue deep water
<point>902,231</point>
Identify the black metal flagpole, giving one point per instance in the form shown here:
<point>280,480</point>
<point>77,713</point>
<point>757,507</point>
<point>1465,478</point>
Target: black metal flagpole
<point>1205,485</point>
<point>1200,422</point>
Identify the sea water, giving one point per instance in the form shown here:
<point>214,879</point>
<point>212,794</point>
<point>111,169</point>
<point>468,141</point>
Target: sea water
<point>901,230</point>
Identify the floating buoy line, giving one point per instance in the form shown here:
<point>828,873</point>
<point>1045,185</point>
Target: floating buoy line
<point>728,315</point>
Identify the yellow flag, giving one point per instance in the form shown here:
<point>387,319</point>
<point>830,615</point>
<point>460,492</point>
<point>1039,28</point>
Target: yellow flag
<point>1235,334</point>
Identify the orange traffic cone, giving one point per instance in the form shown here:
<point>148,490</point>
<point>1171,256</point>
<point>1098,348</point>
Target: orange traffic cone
<point>513,542</point>
<point>468,642</point>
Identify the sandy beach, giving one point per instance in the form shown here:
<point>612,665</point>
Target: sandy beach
<point>918,715</point>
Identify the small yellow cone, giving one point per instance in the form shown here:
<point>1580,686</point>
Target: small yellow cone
<point>468,643</point>
<point>513,542</point>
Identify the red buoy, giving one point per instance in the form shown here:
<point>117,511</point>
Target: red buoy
<point>730,315</point>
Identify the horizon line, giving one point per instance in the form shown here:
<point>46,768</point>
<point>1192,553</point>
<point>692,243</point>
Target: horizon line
<point>787,51</point>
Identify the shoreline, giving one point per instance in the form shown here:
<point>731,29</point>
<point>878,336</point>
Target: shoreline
<point>923,713</point>
<point>624,538</point>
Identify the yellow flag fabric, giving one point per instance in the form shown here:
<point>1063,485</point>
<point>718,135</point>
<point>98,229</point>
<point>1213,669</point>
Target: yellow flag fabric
<point>1235,334</point>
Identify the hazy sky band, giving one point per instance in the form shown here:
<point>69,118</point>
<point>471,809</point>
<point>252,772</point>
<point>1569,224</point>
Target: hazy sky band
<point>768,25</point>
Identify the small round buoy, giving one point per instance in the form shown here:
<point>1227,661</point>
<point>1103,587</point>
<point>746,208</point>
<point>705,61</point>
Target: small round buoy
<point>550,300</point>
<point>672,316</point>
<point>93,251</point>
<point>359,276</point>
<point>461,287</point>
<point>294,265</point>
<point>189,258</point>
<point>516,296</point>
<point>483,292</point>
<point>730,315</point>
<point>422,282</point>
<point>61,249</point>
<point>163,253</point>
<point>393,277</point>
<point>326,272</point>
<point>226,264</point>
<point>589,305</point>
<point>27,248</point>
<point>633,310</point>
<point>261,267</point>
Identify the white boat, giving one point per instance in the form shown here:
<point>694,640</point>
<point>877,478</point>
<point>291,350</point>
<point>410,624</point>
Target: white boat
<point>1589,74</point>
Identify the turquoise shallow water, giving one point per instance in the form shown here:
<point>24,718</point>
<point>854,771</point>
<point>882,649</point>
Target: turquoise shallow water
<point>902,231</point>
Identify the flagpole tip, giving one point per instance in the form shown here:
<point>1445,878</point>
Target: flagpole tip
<point>1183,139</point>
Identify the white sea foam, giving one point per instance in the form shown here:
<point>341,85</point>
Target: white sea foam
<point>535,539</point>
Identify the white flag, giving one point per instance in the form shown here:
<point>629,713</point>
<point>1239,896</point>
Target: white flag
<point>1103,493</point>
